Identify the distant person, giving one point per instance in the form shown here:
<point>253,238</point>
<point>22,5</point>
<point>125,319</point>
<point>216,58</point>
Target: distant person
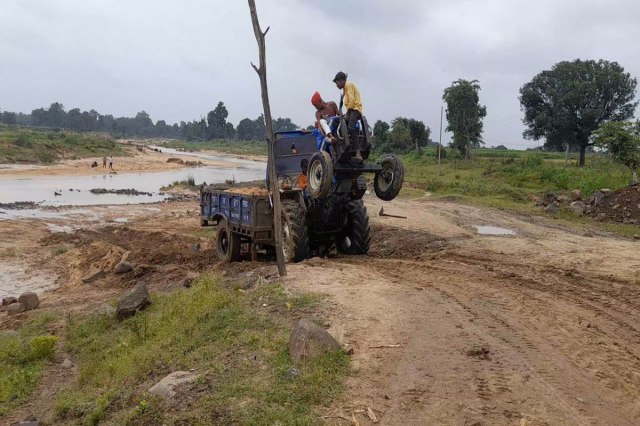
<point>352,100</point>
<point>94,164</point>
<point>302,179</point>
<point>104,162</point>
<point>111,162</point>
<point>324,110</point>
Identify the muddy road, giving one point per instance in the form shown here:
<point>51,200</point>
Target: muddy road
<point>447,326</point>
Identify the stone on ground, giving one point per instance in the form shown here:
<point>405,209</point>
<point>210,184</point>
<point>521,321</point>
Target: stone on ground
<point>123,267</point>
<point>93,276</point>
<point>7,300</point>
<point>551,208</point>
<point>578,207</point>
<point>166,387</point>
<point>29,300</point>
<point>309,340</point>
<point>189,279</point>
<point>576,195</point>
<point>66,363</point>
<point>15,308</point>
<point>134,300</point>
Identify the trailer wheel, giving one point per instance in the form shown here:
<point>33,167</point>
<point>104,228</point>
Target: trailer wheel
<point>227,242</point>
<point>355,235</point>
<point>295,236</point>
<point>320,174</point>
<point>388,182</point>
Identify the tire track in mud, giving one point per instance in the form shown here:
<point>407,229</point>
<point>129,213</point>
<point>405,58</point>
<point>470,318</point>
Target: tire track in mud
<point>545,357</point>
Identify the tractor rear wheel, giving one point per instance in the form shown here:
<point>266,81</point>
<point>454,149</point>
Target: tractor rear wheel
<point>355,236</point>
<point>388,182</point>
<point>295,236</point>
<point>227,242</point>
<point>320,174</point>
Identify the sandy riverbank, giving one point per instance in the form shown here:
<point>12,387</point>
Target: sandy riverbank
<point>148,161</point>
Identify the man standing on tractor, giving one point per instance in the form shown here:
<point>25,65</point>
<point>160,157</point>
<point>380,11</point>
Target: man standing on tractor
<point>353,102</point>
<point>324,110</point>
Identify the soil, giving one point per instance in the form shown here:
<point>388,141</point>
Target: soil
<point>622,205</point>
<point>446,326</point>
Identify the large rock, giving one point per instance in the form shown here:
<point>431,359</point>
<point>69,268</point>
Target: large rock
<point>123,267</point>
<point>166,387</point>
<point>15,308</point>
<point>549,198</point>
<point>134,300</point>
<point>552,208</point>
<point>578,207</point>
<point>7,300</point>
<point>576,195</point>
<point>563,199</point>
<point>29,300</point>
<point>309,340</point>
<point>597,198</point>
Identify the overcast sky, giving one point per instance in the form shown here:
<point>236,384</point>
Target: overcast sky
<point>177,59</point>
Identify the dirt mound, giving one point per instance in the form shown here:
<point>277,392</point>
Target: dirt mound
<point>622,205</point>
<point>161,258</point>
<point>399,243</point>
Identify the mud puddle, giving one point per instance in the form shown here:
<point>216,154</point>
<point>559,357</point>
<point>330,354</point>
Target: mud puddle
<point>493,230</point>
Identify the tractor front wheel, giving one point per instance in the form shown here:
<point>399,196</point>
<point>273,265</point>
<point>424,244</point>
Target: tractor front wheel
<point>320,174</point>
<point>388,182</point>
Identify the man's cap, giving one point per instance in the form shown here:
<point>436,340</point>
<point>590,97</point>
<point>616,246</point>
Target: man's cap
<point>340,76</point>
<point>315,99</point>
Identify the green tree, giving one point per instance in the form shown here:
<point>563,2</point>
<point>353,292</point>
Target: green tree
<point>284,124</point>
<point>419,133</point>
<point>246,129</point>
<point>622,141</point>
<point>567,103</point>
<point>400,137</point>
<point>381,133</point>
<point>464,115</point>
<point>217,122</point>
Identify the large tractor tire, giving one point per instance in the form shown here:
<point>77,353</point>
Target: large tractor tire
<point>388,182</point>
<point>320,174</point>
<point>355,236</point>
<point>227,242</point>
<point>295,236</point>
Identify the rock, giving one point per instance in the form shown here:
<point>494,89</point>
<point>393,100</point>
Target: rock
<point>105,310</point>
<point>616,207</point>
<point>588,234</point>
<point>134,300</point>
<point>576,195</point>
<point>549,198</point>
<point>636,237</point>
<point>15,308</point>
<point>480,352</point>
<point>175,160</point>
<point>29,300</point>
<point>578,207</point>
<point>123,267</point>
<point>195,247</point>
<point>66,363</point>
<point>189,279</point>
<point>293,373</point>
<point>93,276</point>
<point>309,340</point>
<point>563,199</point>
<point>29,421</point>
<point>8,300</point>
<point>551,208</point>
<point>601,217</point>
<point>166,387</point>
<point>606,191</point>
<point>597,198</point>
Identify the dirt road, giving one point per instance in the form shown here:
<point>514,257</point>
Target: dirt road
<point>447,326</point>
<point>539,328</point>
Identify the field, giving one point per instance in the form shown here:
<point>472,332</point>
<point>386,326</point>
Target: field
<point>228,146</point>
<point>23,145</point>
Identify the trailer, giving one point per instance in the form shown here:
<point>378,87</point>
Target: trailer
<point>242,216</point>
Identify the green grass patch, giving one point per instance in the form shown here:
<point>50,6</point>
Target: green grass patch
<point>23,145</point>
<point>227,146</point>
<point>23,359</point>
<point>238,346</point>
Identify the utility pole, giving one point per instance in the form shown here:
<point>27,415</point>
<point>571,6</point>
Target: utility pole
<point>273,179</point>
<point>440,141</point>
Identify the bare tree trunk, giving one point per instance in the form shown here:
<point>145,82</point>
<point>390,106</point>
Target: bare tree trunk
<point>273,178</point>
<point>583,150</point>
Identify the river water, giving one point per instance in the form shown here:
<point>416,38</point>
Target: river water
<point>74,190</point>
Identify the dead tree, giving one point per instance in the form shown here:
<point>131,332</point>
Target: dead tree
<point>273,179</point>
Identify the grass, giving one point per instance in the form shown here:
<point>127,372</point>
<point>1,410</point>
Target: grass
<point>227,146</point>
<point>23,359</point>
<point>509,180</point>
<point>238,346</point>
<point>21,145</point>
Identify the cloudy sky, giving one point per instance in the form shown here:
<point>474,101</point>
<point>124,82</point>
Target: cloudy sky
<point>177,59</point>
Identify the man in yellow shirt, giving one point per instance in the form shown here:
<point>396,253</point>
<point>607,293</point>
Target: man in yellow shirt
<point>353,102</point>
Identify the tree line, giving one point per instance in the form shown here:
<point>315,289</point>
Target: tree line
<point>213,126</point>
